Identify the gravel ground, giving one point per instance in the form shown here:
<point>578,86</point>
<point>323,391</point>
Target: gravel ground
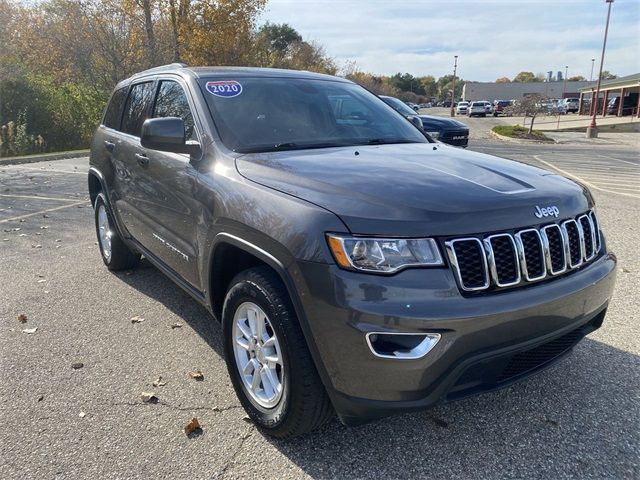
<point>578,419</point>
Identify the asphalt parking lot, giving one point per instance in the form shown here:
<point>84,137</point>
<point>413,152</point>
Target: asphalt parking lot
<point>578,419</point>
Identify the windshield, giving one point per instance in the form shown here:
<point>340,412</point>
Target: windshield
<point>259,114</point>
<point>398,105</point>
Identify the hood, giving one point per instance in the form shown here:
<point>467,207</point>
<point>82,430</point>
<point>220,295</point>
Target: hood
<point>417,189</point>
<point>441,122</point>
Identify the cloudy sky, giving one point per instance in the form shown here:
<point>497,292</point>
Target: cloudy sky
<point>493,38</point>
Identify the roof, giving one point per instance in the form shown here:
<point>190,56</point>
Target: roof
<point>632,80</point>
<point>237,72</point>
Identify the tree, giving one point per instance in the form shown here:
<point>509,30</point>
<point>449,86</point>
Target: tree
<point>503,80</point>
<point>606,75</point>
<point>525,77</point>
<point>530,106</point>
<point>576,78</point>
<point>429,86</point>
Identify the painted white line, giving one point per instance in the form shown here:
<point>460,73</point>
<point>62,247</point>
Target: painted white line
<point>45,170</point>
<point>620,160</point>
<point>39,198</point>
<point>582,180</point>
<point>84,202</point>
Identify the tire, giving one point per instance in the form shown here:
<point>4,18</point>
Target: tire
<point>495,114</point>
<point>116,255</point>
<point>302,404</point>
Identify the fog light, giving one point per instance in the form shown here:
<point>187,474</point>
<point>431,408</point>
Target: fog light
<point>407,346</point>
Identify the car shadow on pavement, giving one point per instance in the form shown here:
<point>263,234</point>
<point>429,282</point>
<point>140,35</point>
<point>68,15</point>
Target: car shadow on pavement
<point>578,418</point>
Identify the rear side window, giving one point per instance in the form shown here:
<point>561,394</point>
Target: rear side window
<point>114,110</point>
<point>137,108</point>
<point>172,102</point>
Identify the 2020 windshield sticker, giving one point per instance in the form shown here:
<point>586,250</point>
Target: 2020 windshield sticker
<point>224,88</point>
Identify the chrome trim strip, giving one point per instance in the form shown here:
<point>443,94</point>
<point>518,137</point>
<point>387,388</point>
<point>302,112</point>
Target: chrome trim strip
<point>565,234</point>
<point>596,226</point>
<point>547,251</point>
<point>492,261</point>
<point>453,258</point>
<point>523,259</point>
<point>419,351</point>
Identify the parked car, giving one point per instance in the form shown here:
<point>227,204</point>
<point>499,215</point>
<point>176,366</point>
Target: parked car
<point>477,109</point>
<point>446,130</point>
<point>571,104</point>
<point>462,108</point>
<point>553,107</point>
<point>488,109</point>
<point>628,107</point>
<point>500,106</point>
<point>356,266</point>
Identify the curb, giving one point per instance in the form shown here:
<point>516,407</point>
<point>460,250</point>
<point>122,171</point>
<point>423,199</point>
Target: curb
<point>44,157</point>
<point>520,140</point>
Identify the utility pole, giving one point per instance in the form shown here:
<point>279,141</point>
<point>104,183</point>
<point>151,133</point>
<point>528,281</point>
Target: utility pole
<point>593,60</point>
<point>592,129</point>
<point>453,85</point>
<point>564,92</point>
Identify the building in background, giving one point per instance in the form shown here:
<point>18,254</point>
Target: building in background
<point>516,90</point>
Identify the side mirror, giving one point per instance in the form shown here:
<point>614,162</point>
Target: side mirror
<point>416,122</point>
<point>167,135</point>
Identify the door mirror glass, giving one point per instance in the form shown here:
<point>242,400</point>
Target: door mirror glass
<point>168,135</point>
<point>417,122</point>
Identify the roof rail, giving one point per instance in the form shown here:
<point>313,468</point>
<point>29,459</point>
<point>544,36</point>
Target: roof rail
<point>169,66</point>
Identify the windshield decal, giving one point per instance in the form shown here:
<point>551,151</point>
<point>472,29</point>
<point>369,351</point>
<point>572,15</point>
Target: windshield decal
<point>224,88</point>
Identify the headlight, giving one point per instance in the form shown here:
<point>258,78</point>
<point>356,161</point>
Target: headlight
<point>433,135</point>
<point>383,255</point>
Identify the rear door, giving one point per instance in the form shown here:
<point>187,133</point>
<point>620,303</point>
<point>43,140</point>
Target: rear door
<point>131,183</point>
<point>166,203</point>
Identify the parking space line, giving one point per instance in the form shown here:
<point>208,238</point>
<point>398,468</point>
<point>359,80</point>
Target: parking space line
<point>45,170</point>
<point>620,160</point>
<point>582,180</point>
<point>84,202</point>
<point>39,198</point>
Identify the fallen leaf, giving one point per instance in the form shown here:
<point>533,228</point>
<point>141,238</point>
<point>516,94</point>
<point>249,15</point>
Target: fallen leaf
<point>149,397</point>
<point>197,375</point>
<point>58,240</point>
<point>45,216</point>
<point>30,330</point>
<point>77,365</point>
<point>82,414</point>
<point>176,325</point>
<point>137,319</point>
<point>40,398</point>
<point>22,220</point>
<point>22,318</point>
<point>159,382</point>
<point>44,227</point>
<point>41,281</point>
<point>247,418</point>
<point>192,427</point>
<point>625,270</point>
<point>36,246</point>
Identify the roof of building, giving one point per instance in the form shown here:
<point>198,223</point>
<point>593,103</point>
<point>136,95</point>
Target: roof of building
<point>632,80</point>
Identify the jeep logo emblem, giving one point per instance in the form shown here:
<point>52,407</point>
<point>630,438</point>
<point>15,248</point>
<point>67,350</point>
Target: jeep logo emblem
<point>547,212</point>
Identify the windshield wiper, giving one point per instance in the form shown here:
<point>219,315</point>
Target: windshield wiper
<point>384,141</point>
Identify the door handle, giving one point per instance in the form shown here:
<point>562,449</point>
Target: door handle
<point>109,145</point>
<point>142,159</point>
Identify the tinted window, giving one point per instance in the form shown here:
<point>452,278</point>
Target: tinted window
<point>398,105</point>
<point>172,102</point>
<point>137,108</point>
<point>262,114</point>
<point>114,110</point>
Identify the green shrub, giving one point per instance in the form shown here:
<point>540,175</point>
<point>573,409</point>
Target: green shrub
<point>517,131</point>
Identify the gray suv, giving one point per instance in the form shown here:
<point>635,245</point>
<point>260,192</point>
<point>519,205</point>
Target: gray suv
<point>358,266</point>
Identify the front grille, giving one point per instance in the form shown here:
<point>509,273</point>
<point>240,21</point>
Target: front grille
<point>455,137</point>
<point>506,259</point>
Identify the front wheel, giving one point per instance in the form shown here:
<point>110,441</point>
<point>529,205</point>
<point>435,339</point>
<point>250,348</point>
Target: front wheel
<point>270,366</point>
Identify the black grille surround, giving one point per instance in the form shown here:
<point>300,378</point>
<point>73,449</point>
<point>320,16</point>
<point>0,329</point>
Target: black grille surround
<point>512,259</point>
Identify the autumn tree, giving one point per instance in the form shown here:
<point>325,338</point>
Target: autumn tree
<point>503,80</point>
<point>525,77</point>
<point>529,107</point>
<point>576,78</point>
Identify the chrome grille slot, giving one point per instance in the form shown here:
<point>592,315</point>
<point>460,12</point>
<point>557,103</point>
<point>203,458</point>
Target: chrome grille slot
<point>470,263</point>
<point>589,237</point>
<point>574,242</point>
<point>555,251</point>
<point>505,259</point>
<point>502,258</point>
<point>531,251</point>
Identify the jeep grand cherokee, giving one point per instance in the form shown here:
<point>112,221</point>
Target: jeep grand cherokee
<point>356,265</point>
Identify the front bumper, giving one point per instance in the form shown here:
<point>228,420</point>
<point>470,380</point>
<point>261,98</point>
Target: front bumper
<point>481,335</point>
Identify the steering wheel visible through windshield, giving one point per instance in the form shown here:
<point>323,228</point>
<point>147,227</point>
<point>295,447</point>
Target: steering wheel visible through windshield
<point>256,114</point>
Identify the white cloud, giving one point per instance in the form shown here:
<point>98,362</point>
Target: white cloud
<point>492,38</point>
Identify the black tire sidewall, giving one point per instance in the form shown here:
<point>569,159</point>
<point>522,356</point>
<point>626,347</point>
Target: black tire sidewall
<point>243,291</point>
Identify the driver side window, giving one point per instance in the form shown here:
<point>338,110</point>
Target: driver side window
<point>172,102</point>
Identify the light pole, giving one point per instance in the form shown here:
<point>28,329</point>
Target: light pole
<point>564,92</point>
<point>592,62</point>
<point>592,129</point>
<point>453,85</point>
